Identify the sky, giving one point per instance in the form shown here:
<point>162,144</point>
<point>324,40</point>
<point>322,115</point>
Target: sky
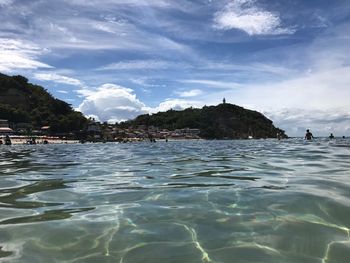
<point>116,59</point>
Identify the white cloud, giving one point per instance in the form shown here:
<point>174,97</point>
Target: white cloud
<point>319,90</point>
<point>16,54</point>
<point>139,81</point>
<point>189,93</point>
<point>146,82</point>
<point>111,3</point>
<point>245,16</point>
<point>175,104</point>
<point>78,32</point>
<point>111,103</point>
<point>114,103</point>
<point>138,64</point>
<point>309,98</point>
<point>62,91</point>
<point>312,100</point>
<point>58,78</point>
<point>252,68</point>
<point>321,122</point>
<point>212,83</point>
<point>91,26</point>
<point>104,28</point>
<point>5,2</point>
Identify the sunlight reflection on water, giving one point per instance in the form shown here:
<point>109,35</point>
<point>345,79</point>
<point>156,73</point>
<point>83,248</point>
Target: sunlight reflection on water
<point>184,201</point>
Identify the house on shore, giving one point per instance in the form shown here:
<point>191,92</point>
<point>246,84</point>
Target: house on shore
<point>94,129</point>
<point>45,130</point>
<point>4,127</point>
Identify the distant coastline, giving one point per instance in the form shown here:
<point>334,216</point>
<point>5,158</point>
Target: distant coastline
<point>29,110</point>
<point>22,139</point>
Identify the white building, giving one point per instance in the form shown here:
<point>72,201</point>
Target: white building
<point>4,127</point>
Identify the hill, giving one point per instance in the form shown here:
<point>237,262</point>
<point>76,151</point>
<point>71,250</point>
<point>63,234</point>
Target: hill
<point>23,102</point>
<point>224,121</point>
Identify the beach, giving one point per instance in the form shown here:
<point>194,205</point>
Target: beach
<point>21,139</point>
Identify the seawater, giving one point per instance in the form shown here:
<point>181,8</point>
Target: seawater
<point>182,201</point>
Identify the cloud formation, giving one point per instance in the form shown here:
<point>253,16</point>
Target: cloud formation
<point>17,54</point>
<point>58,78</point>
<point>138,64</point>
<point>189,93</point>
<point>321,122</point>
<point>211,83</point>
<point>5,2</point>
<point>112,103</point>
<point>312,100</point>
<point>245,16</point>
<point>109,3</point>
<point>174,104</point>
<point>266,55</point>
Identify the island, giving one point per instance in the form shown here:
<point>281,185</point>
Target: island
<point>224,121</point>
<point>29,107</point>
<point>30,110</point>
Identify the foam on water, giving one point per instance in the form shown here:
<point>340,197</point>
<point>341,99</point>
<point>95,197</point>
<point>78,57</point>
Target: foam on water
<point>185,201</point>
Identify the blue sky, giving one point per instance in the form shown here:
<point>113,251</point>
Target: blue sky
<point>116,59</point>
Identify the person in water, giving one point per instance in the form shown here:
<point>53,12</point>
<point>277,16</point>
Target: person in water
<point>331,136</point>
<point>278,135</point>
<point>308,135</point>
<point>7,140</point>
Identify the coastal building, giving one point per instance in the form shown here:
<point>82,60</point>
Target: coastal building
<point>164,134</point>
<point>187,132</point>
<point>4,130</point>
<point>108,132</point>
<point>142,127</point>
<point>152,129</point>
<point>94,127</point>
<point>193,132</point>
<point>4,127</point>
<point>45,130</point>
<point>4,124</point>
<point>94,130</point>
<point>22,127</point>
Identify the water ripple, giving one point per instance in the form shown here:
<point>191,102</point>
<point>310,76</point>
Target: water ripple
<point>185,201</point>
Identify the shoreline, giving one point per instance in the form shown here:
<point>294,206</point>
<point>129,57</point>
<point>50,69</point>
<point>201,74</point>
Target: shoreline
<point>24,140</point>
<point>40,140</point>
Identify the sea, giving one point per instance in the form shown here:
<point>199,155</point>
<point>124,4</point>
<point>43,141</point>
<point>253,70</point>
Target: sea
<point>192,201</point>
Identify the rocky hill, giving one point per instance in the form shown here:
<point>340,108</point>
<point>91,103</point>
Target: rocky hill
<point>224,121</point>
<point>23,102</point>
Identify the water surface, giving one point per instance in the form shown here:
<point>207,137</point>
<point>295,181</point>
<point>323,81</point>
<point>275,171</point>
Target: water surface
<point>185,201</point>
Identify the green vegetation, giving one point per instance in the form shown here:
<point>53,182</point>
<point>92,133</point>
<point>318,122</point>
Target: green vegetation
<point>224,121</point>
<point>23,102</point>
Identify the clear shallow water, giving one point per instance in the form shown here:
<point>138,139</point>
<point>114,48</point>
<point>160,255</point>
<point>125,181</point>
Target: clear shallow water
<point>188,201</point>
